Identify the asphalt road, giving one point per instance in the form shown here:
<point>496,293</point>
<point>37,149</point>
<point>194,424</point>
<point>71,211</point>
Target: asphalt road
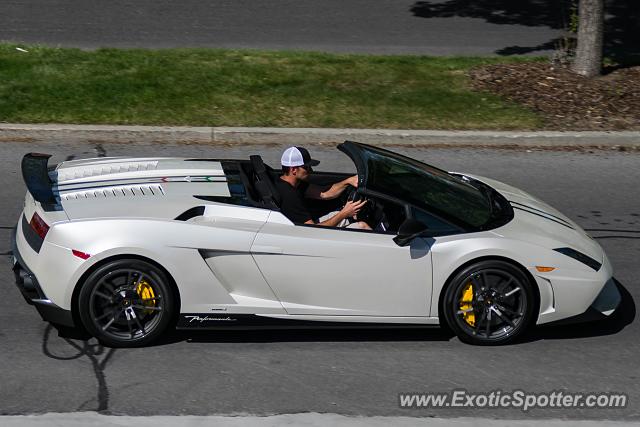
<point>346,372</point>
<point>381,26</point>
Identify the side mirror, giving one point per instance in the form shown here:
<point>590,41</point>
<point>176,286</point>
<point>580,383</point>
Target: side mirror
<point>409,230</point>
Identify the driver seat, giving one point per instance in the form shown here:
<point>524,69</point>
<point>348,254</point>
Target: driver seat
<point>263,183</point>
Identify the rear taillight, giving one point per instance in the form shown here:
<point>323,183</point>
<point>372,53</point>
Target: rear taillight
<point>39,226</point>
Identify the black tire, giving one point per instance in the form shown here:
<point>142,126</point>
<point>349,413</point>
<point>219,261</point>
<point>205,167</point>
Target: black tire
<point>489,303</point>
<point>126,303</point>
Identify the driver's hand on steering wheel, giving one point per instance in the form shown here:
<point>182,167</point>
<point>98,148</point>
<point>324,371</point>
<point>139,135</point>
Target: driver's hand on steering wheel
<point>353,181</point>
<point>351,208</point>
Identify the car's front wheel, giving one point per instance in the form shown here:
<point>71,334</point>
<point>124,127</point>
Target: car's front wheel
<point>126,303</point>
<point>489,303</point>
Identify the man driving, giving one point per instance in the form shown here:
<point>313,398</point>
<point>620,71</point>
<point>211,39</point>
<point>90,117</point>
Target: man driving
<point>293,187</point>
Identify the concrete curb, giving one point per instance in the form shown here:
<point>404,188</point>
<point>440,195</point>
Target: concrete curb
<point>253,135</point>
<point>90,419</point>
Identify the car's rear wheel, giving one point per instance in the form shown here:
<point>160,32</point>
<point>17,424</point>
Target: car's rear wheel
<point>126,303</point>
<point>489,303</point>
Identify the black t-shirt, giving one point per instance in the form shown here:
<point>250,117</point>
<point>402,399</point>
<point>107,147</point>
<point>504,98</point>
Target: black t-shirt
<point>293,204</point>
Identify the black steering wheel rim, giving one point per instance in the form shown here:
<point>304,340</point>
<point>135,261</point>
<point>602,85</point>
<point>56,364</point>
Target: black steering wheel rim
<point>352,194</point>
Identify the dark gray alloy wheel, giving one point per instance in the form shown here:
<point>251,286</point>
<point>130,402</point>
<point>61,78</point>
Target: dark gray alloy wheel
<point>489,303</point>
<point>126,303</point>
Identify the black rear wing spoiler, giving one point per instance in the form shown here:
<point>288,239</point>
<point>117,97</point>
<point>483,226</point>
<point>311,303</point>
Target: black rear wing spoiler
<point>35,173</point>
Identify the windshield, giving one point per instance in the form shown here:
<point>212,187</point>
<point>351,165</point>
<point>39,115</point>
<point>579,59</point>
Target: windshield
<point>425,186</point>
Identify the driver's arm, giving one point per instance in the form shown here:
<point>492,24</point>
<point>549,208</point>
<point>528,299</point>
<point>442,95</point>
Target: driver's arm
<point>349,210</point>
<point>315,192</point>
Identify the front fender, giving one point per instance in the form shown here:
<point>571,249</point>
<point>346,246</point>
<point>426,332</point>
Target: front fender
<point>451,253</point>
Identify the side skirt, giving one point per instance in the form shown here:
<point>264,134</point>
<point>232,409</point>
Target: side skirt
<point>207,321</point>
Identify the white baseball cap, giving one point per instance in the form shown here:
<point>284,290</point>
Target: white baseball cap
<point>297,156</point>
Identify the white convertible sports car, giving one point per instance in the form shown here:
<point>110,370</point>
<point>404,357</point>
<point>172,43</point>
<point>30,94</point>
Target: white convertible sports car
<point>127,248</point>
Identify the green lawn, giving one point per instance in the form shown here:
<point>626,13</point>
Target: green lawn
<point>207,87</point>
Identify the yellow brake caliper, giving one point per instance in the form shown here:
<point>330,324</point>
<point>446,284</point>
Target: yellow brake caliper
<point>145,291</point>
<point>465,304</point>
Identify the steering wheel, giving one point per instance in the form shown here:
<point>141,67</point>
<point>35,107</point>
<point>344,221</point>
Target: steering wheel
<point>352,194</point>
<point>367,211</point>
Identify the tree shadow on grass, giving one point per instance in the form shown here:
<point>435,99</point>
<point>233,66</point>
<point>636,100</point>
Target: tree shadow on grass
<point>622,21</point>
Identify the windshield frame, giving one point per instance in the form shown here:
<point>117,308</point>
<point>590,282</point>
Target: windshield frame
<point>498,210</point>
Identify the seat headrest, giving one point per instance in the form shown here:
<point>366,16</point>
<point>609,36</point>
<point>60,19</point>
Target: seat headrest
<point>258,164</point>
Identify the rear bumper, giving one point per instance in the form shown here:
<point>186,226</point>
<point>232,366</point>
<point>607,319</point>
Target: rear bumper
<point>30,289</point>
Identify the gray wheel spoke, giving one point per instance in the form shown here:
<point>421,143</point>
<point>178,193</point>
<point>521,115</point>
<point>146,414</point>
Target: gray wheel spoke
<point>485,280</point>
<point>107,284</point>
<point>466,310</point>
<point>504,318</point>
<point>508,311</point>
<point>103,296</point>
<point>511,292</point>
<point>504,285</point>
<point>476,285</point>
<point>113,319</point>
<point>488,329</point>
<point>482,316</point>
<point>131,331</point>
<point>139,279</point>
<point>139,326</point>
<point>102,316</point>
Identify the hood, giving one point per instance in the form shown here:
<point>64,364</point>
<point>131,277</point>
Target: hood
<point>136,187</point>
<point>536,222</point>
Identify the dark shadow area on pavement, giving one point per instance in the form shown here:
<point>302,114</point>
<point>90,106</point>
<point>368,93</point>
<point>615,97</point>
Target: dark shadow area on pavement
<point>622,21</point>
<point>623,316</point>
<point>309,335</point>
<point>71,344</point>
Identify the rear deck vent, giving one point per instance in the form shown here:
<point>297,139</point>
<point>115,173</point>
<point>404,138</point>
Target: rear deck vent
<point>76,172</point>
<point>116,191</point>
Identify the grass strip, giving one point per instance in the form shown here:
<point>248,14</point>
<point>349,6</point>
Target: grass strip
<point>220,87</point>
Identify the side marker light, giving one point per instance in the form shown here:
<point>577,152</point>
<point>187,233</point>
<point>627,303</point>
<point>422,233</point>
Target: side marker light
<point>80,254</point>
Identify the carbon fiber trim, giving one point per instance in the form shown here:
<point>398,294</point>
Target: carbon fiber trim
<point>31,236</point>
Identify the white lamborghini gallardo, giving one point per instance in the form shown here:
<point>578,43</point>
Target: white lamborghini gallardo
<point>127,248</point>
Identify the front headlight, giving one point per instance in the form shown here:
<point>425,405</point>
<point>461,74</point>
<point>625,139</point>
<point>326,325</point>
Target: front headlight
<point>579,256</point>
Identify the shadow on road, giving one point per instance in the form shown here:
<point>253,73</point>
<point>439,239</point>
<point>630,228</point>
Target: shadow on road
<point>624,315</point>
<point>621,41</point>
<point>69,345</point>
<point>310,335</point>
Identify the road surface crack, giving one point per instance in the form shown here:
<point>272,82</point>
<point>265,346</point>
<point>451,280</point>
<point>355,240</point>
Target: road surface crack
<point>93,351</point>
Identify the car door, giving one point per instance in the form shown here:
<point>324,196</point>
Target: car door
<point>223,237</point>
<point>317,270</point>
